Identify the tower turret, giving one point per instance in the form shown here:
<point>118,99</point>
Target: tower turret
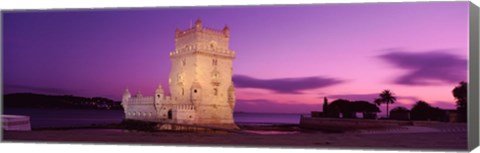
<point>125,98</point>
<point>177,32</point>
<point>198,24</point>
<point>126,94</point>
<point>159,92</point>
<point>226,31</point>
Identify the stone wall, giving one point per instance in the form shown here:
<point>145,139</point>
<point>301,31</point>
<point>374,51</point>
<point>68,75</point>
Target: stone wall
<point>141,108</point>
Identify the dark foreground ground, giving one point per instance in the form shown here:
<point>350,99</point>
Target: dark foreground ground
<point>286,137</point>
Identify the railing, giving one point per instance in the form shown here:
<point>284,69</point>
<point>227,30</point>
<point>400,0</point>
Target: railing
<point>224,52</point>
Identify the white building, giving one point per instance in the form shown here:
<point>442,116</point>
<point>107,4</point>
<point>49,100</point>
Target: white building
<point>201,87</point>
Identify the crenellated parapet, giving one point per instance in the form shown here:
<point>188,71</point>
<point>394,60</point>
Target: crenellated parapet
<point>199,29</point>
<point>142,100</point>
<point>202,40</point>
<point>203,30</point>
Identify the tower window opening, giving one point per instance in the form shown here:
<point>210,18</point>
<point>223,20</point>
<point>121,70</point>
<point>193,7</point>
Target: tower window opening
<point>195,91</point>
<point>215,91</point>
<point>214,62</point>
<point>183,91</point>
<point>170,115</point>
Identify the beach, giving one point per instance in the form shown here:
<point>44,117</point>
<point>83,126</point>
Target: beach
<point>263,137</point>
<point>257,130</point>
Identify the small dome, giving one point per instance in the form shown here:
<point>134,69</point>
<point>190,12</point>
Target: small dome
<point>159,88</point>
<point>177,31</point>
<point>226,28</point>
<point>226,31</point>
<point>198,24</point>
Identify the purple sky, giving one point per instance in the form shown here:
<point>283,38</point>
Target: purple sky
<point>288,57</point>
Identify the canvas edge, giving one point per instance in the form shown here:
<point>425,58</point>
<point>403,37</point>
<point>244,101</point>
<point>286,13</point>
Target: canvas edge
<point>473,88</point>
<point>1,73</point>
<point>473,85</point>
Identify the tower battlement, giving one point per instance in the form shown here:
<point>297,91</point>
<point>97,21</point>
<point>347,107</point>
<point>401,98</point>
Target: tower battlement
<point>199,39</point>
<point>200,29</point>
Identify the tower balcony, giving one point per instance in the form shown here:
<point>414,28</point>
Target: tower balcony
<point>219,52</point>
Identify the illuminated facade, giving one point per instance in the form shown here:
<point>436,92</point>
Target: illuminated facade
<point>201,87</point>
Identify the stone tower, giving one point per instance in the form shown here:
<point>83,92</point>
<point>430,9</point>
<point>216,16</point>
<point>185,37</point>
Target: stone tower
<point>201,74</point>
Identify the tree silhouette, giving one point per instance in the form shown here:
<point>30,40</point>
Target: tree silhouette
<point>421,111</point>
<point>337,107</point>
<point>460,93</point>
<point>368,109</point>
<point>400,113</point>
<point>325,104</point>
<point>386,97</point>
<point>348,109</point>
<point>399,109</point>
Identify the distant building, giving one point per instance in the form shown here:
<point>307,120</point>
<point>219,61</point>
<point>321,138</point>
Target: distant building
<point>201,87</point>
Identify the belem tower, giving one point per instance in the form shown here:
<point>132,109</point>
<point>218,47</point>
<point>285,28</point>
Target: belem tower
<point>201,88</point>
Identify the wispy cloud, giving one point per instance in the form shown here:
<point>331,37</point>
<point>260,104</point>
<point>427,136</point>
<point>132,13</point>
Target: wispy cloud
<point>427,68</point>
<point>268,106</point>
<point>284,85</point>
<point>369,97</point>
<point>366,97</point>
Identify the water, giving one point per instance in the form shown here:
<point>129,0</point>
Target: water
<point>53,118</point>
<point>267,118</point>
<point>57,118</point>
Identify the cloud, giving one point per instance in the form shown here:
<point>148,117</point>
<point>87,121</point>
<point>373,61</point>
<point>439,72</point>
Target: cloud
<point>10,88</point>
<point>284,85</point>
<point>268,106</point>
<point>371,97</point>
<point>366,97</point>
<point>427,68</point>
<point>444,104</point>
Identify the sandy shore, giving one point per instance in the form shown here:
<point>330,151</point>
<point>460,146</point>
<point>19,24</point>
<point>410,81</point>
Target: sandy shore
<point>290,137</point>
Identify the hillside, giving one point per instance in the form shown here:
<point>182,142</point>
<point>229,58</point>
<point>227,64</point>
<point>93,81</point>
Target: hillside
<point>31,100</point>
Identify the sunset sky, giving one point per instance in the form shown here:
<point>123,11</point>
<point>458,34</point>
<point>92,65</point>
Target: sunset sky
<point>288,57</point>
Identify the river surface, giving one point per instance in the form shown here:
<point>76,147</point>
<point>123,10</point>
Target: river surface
<point>57,118</point>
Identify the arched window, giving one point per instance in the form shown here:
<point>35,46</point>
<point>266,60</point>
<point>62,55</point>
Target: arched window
<point>170,116</point>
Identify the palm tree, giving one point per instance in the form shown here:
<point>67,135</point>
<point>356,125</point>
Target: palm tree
<point>386,97</point>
